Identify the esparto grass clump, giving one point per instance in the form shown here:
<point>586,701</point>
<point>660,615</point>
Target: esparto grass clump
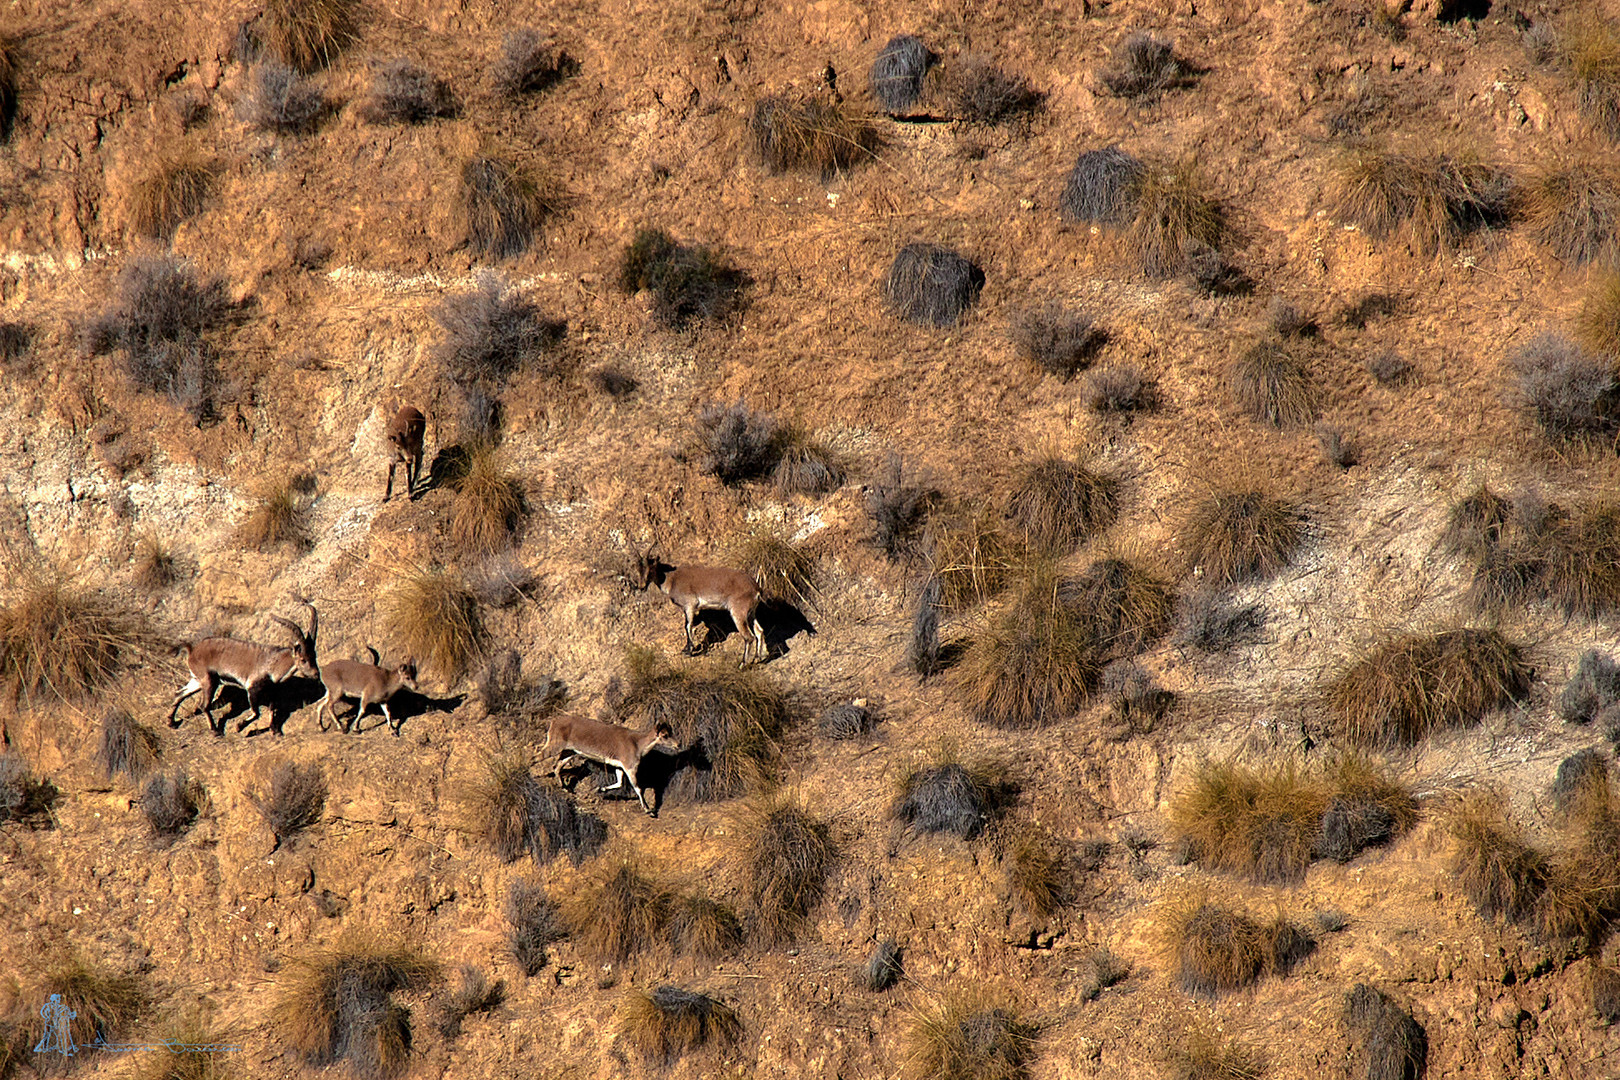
<point>1201,1055</point>
<point>1213,949</point>
<point>534,923</point>
<point>490,503</point>
<point>1494,865</point>
<point>923,654</point>
<point>307,34</point>
<point>1575,212</point>
<point>1594,687</point>
<point>127,746</point>
<point>158,321</point>
<point>107,1002</point>
<point>782,569</point>
<point>1032,665</point>
<point>806,466</point>
<point>1144,67</point>
<point>170,802</point>
<point>293,800</point>
<point>337,1004</point>
<point>404,92</point>
<point>1579,776</point>
<point>1537,550</point>
<point>24,798</point>
<point>1391,1044</point>
<point>979,92</point>
<point>817,135</point>
<point>530,63</point>
<point>619,912</point>
<point>787,856</point>
<point>525,703</point>
<point>492,333</point>
<point>1404,690</point>
<point>169,190</point>
<point>64,642</point>
<point>932,285</point>
<point>703,927</point>
<point>501,205</point>
<point>1101,187</point>
<point>1174,220</point>
<point>474,994</point>
<point>1120,604</point>
<point>1056,503</point>
<point>1598,325</point>
<point>847,720</point>
<point>437,620</point>
<point>516,814</point>
<point>1122,388</point>
<point>281,100</point>
<point>1036,869</point>
<point>884,967</point>
<point>897,73</point>
<point>670,1023</point>
<point>1272,383</point>
<point>737,444</point>
<point>899,509</point>
<point>1241,531</point>
<point>1432,200</point>
<point>950,797</point>
<point>1570,393</point>
<point>279,516</point>
<point>1591,46</point>
<point>1061,340</point>
<point>970,1035</point>
<point>690,283</point>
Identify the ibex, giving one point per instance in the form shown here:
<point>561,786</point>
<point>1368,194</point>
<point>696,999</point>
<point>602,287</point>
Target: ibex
<point>713,588</point>
<point>405,433</point>
<point>251,666</point>
<point>371,683</point>
<point>608,744</point>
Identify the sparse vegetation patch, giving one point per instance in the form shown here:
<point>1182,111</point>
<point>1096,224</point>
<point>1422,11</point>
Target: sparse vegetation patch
<point>670,1023</point>
<point>619,912</point>
<point>1575,212</point>
<point>530,63</point>
<point>338,1004</point>
<point>170,804</point>
<point>437,620</point>
<point>171,189</point>
<point>107,1001</point>
<point>1175,222</point>
<point>1120,603</point>
<point>1215,949</point>
<point>490,503</point>
<point>293,800</point>
<point>1272,382</point>
<point>1393,1046</point>
<point>159,319</point>
<point>736,444</point>
<point>1599,321</point>
<point>1062,341</point>
<point>982,93</point>
<point>786,858</point>
<point>534,923</point>
<point>23,797</point>
<point>59,641</point>
<point>970,1036</point>
<point>281,100</point>
<point>1591,45</point>
<point>950,797</point>
<point>1144,67</point>
<point>1032,665</point>
<point>501,205</point>
<point>932,285</point>
<point>689,283</point>
<point>127,746</point>
<point>1241,531</point>
<point>814,134</point>
<point>492,333</point>
<point>897,73</point>
<point>404,92</point>
<point>1433,200</point>
<point>307,34</point>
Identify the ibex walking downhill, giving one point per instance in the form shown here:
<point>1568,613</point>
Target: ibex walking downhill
<point>406,430</point>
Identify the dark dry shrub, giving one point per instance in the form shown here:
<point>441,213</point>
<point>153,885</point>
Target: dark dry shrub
<point>436,619</point>
<point>897,73</point>
<point>295,800</point>
<point>970,557</point>
<point>170,804</point>
<point>1213,949</point>
<point>1599,322</point>
<point>613,382</point>
<point>106,1002</point>
<point>534,924</point>
<point>1036,869</point>
<point>16,340</point>
<point>515,814</point>
<point>884,967</point>
<point>59,641</point>
<point>491,333</point>
<point>1136,702</point>
<point>127,746</point>
<point>1101,187</point>
<point>403,92</point>
<point>529,63</point>
<point>1592,46</point>
<point>502,581</point>
<point>1339,447</point>
<point>526,703</point>
<point>806,467</point>
<point>949,797</point>
<point>812,134</point>
<point>1119,389</point>
<point>1578,775</point>
<point>1570,393</point>
<point>729,722</point>
<point>1174,220</point>
<point>971,1035</point>
<point>501,205</point>
<point>279,517</point>
<point>1581,560</point>
<point>1405,689</point>
<point>1392,1045</point>
<point>1210,621</point>
<point>932,285</point>
<point>1331,920</point>
<point>1436,199</point>
<point>1594,687</point>
<point>1273,384</point>
<point>1289,321</point>
<point>670,1023</point>
<point>1215,274</point>
<point>170,190</point>
<point>475,994</point>
<point>1606,993</point>
<point>689,283</point>
<point>489,505</point>
<point>847,721</point>
<point>1061,340</point>
<point>279,99</point>
<point>1200,1055</point>
<point>1493,865</point>
<point>307,34</point>
<point>787,855</point>
<point>1100,969</point>
<point>618,912</point>
<point>1241,532</point>
<point>704,928</point>
<point>1032,665</point>
<point>782,569</point>
<point>1144,67</point>
<point>737,444</point>
<point>898,509</point>
<point>1575,211</point>
<point>24,799</point>
<point>155,567</point>
<point>1119,603</point>
<point>337,1004</point>
<point>158,320</point>
<point>1388,368</point>
<point>922,650</point>
<point>981,93</point>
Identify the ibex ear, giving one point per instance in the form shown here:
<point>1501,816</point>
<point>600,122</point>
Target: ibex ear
<point>391,408</point>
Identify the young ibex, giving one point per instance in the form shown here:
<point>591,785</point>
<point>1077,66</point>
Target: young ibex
<point>608,744</point>
<point>371,683</point>
<point>714,588</point>
<point>405,433</point>
<point>251,666</point>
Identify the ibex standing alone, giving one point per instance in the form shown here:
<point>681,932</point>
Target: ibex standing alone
<point>405,434</point>
<point>371,683</point>
<point>711,588</point>
<point>608,744</point>
<point>251,666</point>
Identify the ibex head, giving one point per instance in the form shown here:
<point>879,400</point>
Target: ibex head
<point>304,642</point>
<point>645,569</point>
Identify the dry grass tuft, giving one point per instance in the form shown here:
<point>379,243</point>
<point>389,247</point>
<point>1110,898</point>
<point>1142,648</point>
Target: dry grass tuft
<point>501,205</point>
<point>1240,531</point>
<point>179,1064</point>
<point>59,641</point>
<point>1606,993</point>
<point>1213,949</point>
<point>127,746</point>
<point>155,568</point>
<point>1122,388</point>
<point>689,282</point>
<point>404,92</point>
<point>170,804</point>
<point>1435,200</point>
<point>1101,187</point>
<point>932,285</point>
<point>1060,340</point>
<point>787,855</point>
<point>516,814</point>
<point>1392,1045</point>
<point>702,927</point>
<point>280,515</point>
<point>295,799</point>
<point>670,1023</point>
<point>734,444</point>
<point>170,190</point>
<point>1273,384</point>
<point>158,321</point>
<point>436,619</point>
<point>897,73</point>
<point>337,1004</point>
<point>534,923</point>
<point>1174,220</point>
<point>23,798</point>
<point>971,1035</point>
<point>1494,865</point>
<point>1120,603</point>
<point>1057,503</point>
<point>1575,211</point>
<point>970,557</point>
<point>1570,393</point>
<point>806,467</point>
<point>812,134</point>
<point>530,63</point>
<point>476,994</point>
<point>489,503</point>
<point>524,703</point>
<point>1408,688</point>
<point>782,569</point>
<point>1201,1055</point>
<point>884,967</point>
<point>1144,67</point>
<point>108,1002</point>
<point>1599,321</point>
<point>1536,549</point>
<point>1032,665</point>
<point>981,93</point>
<point>493,332</point>
<point>619,911</point>
<point>1591,45</point>
<point>949,796</point>
<point>899,508</point>
<point>1036,868</point>
<point>308,34</point>
<point>281,100</point>
<point>1593,688</point>
<point>1210,621</point>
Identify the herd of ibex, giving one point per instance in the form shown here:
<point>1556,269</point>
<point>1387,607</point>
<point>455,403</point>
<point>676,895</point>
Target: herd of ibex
<point>256,668</point>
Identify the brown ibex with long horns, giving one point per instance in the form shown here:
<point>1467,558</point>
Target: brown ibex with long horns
<point>251,666</point>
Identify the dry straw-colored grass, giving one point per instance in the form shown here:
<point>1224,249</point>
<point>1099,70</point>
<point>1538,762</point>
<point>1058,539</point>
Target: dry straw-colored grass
<point>1575,211</point>
<point>782,569</point>
<point>1591,46</point>
<point>1120,601</point>
<point>169,190</point>
<point>154,567</point>
<point>436,618</point>
<point>308,34</point>
<point>500,205</point>
<point>1035,867</point>
<point>489,503</point>
<point>970,556</point>
<point>279,517</point>
<point>1495,865</point>
<point>58,640</point>
<point>1241,529</point>
<point>1212,949</point>
<point>1599,322</point>
<point>107,1002</point>
<point>972,1034</point>
<point>819,136</point>
<point>1205,1055</point>
<point>1404,690</point>
<point>621,910</point>
<point>670,1023</point>
<point>1056,503</point>
<point>1272,382</point>
<point>1432,200</point>
<point>179,1064</point>
<point>787,855</point>
<point>1174,219</point>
